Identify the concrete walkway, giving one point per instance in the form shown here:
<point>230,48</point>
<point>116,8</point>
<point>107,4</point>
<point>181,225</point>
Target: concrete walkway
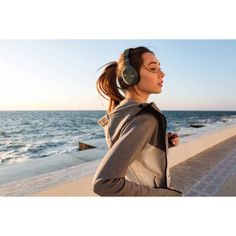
<point>210,173</point>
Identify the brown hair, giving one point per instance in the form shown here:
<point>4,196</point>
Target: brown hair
<point>107,81</point>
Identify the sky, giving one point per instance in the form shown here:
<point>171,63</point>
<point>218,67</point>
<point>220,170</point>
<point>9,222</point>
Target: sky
<point>61,74</point>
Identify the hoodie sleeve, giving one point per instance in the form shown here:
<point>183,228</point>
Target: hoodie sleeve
<point>109,179</point>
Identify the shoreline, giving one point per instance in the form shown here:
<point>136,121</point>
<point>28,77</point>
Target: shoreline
<point>16,150</point>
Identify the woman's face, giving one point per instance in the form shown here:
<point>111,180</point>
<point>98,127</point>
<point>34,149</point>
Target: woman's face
<point>151,76</point>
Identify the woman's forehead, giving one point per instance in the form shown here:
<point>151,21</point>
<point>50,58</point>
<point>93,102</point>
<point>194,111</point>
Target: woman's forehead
<point>149,58</point>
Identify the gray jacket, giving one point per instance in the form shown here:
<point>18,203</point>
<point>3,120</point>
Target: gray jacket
<point>136,162</point>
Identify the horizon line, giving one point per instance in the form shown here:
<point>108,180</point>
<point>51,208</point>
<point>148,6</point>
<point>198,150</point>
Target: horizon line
<point>105,110</point>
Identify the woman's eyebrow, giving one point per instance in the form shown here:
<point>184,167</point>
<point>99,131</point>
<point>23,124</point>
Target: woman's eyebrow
<point>153,62</point>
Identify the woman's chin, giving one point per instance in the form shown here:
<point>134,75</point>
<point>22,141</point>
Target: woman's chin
<point>159,91</point>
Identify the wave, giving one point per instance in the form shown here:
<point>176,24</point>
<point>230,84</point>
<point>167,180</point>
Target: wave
<point>30,135</point>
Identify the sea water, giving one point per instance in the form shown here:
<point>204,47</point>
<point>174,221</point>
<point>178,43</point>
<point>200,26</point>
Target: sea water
<point>27,135</point>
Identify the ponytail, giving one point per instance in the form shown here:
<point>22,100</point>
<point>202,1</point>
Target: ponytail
<point>106,84</point>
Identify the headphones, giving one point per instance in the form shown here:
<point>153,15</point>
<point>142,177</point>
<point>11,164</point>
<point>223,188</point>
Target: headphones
<point>130,75</point>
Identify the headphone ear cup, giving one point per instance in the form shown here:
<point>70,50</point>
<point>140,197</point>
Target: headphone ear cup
<point>130,75</point>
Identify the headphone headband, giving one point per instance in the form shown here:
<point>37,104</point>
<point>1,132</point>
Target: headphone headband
<point>126,55</point>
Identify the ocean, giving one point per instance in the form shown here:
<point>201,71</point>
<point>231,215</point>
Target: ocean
<point>28,135</point>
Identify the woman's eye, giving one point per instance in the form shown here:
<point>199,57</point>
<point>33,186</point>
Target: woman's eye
<point>154,69</point>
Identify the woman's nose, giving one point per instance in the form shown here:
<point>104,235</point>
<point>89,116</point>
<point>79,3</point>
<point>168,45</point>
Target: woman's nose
<point>161,75</point>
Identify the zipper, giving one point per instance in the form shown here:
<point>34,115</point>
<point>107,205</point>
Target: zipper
<point>151,104</point>
<point>165,153</point>
<point>165,123</point>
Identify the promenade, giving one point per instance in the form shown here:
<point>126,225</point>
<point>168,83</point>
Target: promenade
<point>211,172</point>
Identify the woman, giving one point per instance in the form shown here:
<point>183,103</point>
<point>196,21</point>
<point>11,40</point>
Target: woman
<point>135,130</point>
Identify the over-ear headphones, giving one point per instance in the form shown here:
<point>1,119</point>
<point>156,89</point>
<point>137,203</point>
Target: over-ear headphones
<point>130,75</point>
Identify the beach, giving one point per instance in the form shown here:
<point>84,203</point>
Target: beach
<point>189,164</point>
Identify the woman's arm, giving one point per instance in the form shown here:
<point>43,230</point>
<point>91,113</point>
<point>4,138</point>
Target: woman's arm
<point>109,179</point>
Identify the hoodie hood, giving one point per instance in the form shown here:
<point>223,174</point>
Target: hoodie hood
<point>113,122</point>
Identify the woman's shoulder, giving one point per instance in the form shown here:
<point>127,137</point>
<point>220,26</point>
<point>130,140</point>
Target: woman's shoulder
<point>145,117</point>
<point>149,110</point>
<point>143,122</point>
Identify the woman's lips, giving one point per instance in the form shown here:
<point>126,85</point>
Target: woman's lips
<point>160,84</point>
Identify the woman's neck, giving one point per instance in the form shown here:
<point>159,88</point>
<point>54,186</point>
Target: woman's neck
<point>136,96</point>
<point>136,99</point>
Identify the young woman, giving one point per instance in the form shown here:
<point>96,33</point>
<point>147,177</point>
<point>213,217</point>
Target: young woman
<point>135,130</point>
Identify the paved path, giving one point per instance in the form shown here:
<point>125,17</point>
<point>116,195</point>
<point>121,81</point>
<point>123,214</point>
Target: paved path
<point>210,173</point>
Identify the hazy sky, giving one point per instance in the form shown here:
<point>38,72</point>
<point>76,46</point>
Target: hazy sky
<point>62,74</point>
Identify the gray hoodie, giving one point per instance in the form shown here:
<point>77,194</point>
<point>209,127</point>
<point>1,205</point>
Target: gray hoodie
<point>136,161</point>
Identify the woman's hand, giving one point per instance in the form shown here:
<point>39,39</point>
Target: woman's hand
<point>173,139</point>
